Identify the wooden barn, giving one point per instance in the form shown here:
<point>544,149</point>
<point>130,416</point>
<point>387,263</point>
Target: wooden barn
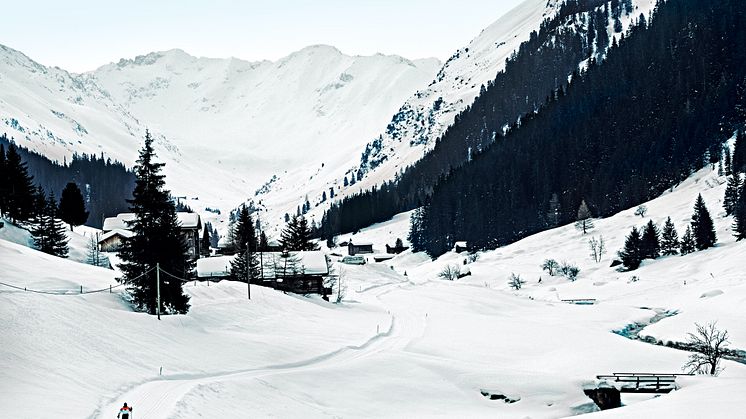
<point>359,248</point>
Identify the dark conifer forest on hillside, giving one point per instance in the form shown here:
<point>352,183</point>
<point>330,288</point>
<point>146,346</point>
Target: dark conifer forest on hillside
<point>105,184</point>
<point>635,123</point>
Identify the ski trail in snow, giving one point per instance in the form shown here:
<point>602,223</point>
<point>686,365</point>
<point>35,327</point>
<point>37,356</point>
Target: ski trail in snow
<point>158,399</point>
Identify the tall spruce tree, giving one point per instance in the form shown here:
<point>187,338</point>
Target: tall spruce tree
<point>687,243</point>
<point>727,166</point>
<point>650,247</point>
<point>72,206</point>
<point>297,235</point>
<point>631,255</point>
<point>19,201</point>
<point>669,239</point>
<point>739,214</point>
<point>245,243</point>
<point>415,235</point>
<point>263,242</point>
<point>204,247</point>
<point>731,193</point>
<point>738,163</point>
<point>157,240</point>
<point>584,221</point>
<point>3,184</point>
<point>703,227</point>
<point>49,232</point>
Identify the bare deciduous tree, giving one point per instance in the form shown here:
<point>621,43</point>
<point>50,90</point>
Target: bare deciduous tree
<point>598,248</point>
<point>450,272</point>
<point>337,281</point>
<point>709,344</point>
<point>641,211</point>
<point>515,281</point>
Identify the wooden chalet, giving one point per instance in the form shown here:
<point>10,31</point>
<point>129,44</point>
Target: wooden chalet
<point>296,272</point>
<point>190,223</point>
<point>112,241</point>
<point>359,248</point>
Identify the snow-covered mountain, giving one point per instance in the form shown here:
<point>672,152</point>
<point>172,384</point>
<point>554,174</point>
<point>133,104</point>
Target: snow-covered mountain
<point>239,121</point>
<point>416,124</point>
<point>278,133</point>
<point>424,116</point>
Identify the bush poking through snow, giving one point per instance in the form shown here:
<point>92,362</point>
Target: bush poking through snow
<point>450,272</point>
<point>569,271</point>
<point>709,346</point>
<point>515,281</point>
<point>551,266</point>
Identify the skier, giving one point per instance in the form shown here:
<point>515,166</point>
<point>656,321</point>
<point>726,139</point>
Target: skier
<point>125,412</point>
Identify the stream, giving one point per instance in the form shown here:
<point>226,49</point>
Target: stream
<point>632,331</point>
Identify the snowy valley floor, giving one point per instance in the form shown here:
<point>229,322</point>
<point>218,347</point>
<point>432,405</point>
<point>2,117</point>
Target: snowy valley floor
<point>398,346</point>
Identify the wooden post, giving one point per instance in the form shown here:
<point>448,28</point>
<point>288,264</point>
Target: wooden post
<point>158,289</point>
<point>248,270</point>
<point>109,289</point>
<point>81,289</point>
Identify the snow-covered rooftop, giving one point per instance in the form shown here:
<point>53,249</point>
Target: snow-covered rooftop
<point>116,232</point>
<point>187,220</point>
<point>214,266</point>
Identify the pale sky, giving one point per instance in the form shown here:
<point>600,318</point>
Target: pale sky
<point>81,35</point>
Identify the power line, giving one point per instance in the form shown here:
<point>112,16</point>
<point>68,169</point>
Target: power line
<point>71,292</point>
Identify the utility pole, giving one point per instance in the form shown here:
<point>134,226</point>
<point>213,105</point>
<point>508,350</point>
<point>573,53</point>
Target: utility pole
<point>158,289</point>
<point>248,270</point>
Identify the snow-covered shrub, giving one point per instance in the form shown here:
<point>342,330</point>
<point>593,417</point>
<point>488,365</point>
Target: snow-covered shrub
<point>515,281</point>
<point>450,272</point>
<point>551,266</point>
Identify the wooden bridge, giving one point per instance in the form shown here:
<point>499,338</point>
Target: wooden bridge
<point>607,394</point>
<point>641,382</point>
<point>580,301</point>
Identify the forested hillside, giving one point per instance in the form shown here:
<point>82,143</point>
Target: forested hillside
<point>660,106</point>
<point>106,184</point>
<point>579,33</point>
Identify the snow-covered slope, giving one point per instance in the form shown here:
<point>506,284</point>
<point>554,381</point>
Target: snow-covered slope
<point>412,129</point>
<point>240,122</point>
<point>425,115</point>
<point>398,346</point>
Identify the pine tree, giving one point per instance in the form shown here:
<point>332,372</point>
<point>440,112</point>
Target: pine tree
<point>49,233</point>
<point>669,239</point>
<point>214,237</point>
<point>245,243</point>
<point>204,247</point>
<point>731,193</point>
<point>584,221</point>
<point>650,241</point>
<point>157,240</point>
<point>263,242</point>
<point>739,214</point>
<point>728,166</point>
<point>738,163</point>
<point>703,227</point>
<point>687,242</point>
<point>3,184</point>
<point>416,236</point>
<point>631,255</point>
<point>72,206</point>
<point>19,200</point>
<point>297,235</point>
